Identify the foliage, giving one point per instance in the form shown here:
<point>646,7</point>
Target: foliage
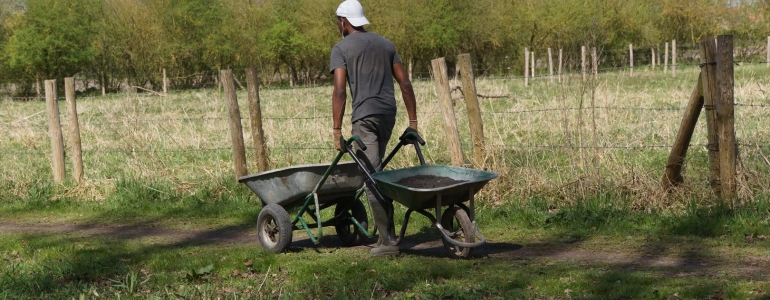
<point>54,38</point>
<point>135,39</point>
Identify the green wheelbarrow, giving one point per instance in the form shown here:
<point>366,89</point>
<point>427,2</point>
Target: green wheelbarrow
<point>455,221</point>
<point>312,188</point>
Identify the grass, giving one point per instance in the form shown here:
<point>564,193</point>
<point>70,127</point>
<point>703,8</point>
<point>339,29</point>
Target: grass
<point>575,213</point>
<point>585,252</point>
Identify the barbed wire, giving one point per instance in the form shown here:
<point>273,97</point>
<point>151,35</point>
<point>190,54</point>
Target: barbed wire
<point>761,144</point>
<point>126,150</point>
<point>534,146</point>
<point>194,119</point>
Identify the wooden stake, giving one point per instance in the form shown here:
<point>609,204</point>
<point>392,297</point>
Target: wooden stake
<point>474,111</point>
<point>673,58</point>
<point>532,57</point>
<point>165,82</point>
<point>652,57</point>
<point>54,131</point>
<point>236,130</point>
<point>410,69</point>
<point>710,95</point>
<point>560,64</point>
<point>726,115</point>
<point>255,110</point>
<point>673,174</point>
<point>447,109</point>
<point>583,61</point>
<point>665,60</point>
<point>595,63</point>
<point>104,83</point>
<point>550,64</point>
<point>631,58</point>
<point>768,52</point>
<point>526,66</point>
<point>74,142</point>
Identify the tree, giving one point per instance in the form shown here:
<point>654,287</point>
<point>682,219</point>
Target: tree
<point>54,38</point>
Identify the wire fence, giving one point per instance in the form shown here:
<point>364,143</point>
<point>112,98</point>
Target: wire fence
<point>222,148</point>
<point>135,122</point>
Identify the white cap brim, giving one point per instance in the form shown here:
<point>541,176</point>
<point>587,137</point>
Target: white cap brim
<point>358,22</point>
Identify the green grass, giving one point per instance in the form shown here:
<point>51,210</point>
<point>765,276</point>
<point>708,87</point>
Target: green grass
<point>595,250</point>
<point>577,211</point>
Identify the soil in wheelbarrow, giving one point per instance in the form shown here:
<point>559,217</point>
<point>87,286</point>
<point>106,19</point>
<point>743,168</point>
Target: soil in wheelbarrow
<point>428,181</point>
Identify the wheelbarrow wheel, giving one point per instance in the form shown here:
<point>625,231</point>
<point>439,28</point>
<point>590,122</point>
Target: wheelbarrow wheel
<point>347,231</point>
<point>274,228</point>
<point>460,228</point>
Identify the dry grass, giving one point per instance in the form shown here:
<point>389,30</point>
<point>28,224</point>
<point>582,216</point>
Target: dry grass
<point>540,143</point>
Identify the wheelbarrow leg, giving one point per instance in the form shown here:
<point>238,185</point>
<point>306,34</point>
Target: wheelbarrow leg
<point>472,210</point>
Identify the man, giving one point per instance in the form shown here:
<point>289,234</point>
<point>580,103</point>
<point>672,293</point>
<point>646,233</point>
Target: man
<point>369,62</point>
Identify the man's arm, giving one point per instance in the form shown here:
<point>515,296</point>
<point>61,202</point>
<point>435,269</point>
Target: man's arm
<point>406,91</point>
<point>339,96</point>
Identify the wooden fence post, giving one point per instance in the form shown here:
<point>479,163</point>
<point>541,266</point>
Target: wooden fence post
<point>631,58</point>
<point>595,62</point>
<point>532,57</point>
<point>673,174</point>
<point>165,82</point>
<point>726,115</point>
<point>673,58</point>
<point>54,131</point>
<point>583,61</point>
<point>410,69</point>
<point>75,144</point>
<point>560,63</point>
<point>526,66</point>
<point>255,110</point>
<point>710,95</point>
<point>447,109</point>
<point>665,60</point>
<point>236,130</point>
<point>652,57</point>
<point>550,64</point>
<point>768,52</point>
<point>474,111</point>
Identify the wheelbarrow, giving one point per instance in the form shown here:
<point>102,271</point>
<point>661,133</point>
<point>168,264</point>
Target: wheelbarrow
<point>457,223</point>
<point>312,188</point>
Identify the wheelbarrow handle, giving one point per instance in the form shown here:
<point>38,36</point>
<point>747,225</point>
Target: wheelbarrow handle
<point>409,135</point>
<point>476,232</point>
<point>350,140</point>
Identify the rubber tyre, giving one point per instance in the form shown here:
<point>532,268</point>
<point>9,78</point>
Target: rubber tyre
<point>348,233</point>
<point>274,228</point>
<point>460,228</point>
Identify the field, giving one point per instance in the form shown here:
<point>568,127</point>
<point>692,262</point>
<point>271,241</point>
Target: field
<point>577,211</point>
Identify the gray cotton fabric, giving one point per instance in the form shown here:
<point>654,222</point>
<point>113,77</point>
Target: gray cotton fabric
<point>368,59</point>
<point>375,131</point>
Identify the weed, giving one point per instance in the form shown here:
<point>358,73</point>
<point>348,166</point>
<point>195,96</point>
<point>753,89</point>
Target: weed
<point>129,284</point>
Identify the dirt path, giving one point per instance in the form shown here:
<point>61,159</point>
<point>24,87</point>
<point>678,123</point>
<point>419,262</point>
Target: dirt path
<point>668,265</point>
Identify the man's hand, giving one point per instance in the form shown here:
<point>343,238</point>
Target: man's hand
<point>413,125</point>
<point>337,136</point>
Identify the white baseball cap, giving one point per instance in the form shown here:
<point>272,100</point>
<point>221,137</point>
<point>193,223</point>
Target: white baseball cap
<point>353,11</point>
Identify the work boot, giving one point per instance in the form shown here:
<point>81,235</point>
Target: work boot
<point>385,250</point>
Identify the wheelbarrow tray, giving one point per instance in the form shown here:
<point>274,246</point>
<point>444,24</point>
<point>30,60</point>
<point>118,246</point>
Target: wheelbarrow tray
<point>418,198</point>
<point>287,186</point>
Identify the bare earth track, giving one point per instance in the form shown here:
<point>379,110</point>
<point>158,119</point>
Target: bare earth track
<point>749,268</point>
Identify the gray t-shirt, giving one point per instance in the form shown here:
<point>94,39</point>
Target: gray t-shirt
<point>368,59</point>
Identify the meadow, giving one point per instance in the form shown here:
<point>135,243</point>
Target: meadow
<point>577,211</point>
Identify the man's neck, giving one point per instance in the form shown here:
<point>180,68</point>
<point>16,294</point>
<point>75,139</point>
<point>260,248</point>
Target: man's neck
<point>357,29</point>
